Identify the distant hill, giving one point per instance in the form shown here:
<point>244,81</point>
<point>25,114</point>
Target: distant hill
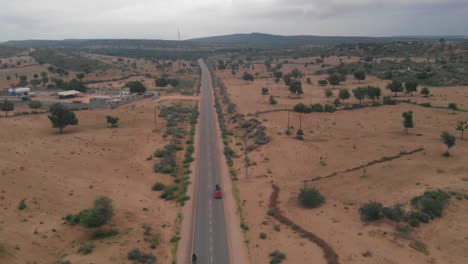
<point>261,39</point>
<point>99,43</point>
<point>255,39</point>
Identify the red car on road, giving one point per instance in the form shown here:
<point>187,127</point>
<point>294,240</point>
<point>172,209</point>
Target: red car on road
<point>218,194</point>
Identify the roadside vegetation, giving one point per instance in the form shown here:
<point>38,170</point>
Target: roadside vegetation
<point>178,117</point>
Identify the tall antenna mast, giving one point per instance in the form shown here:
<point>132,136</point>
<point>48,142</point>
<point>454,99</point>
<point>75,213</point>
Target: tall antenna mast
<point>178,45</point>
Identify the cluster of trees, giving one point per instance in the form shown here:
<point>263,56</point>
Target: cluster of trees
<point>424,208</point>
<point>334,79</point>
<point>165,80</point>
<point>7,106</point>
<point>136,87</point>
<point>360,75</point>
<point>73,84</point>
<point>410,87</point>
<point>248,77</point>
<point>370,92</point>
<point>96,216</point>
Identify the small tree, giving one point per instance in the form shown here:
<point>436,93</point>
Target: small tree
<point>296,74</point>
<point>453,107</point>
<point>373,92</point>
<point>425,91</point>
<point>278,74</point>
<point>310,197</point>
<point>35,104</point>
<point>328,93</point>
<point>411,87</point>
<point>371,211</point>
<point>60,116</point>
<point>99,215</point>
<point>295,87</point>
<point>265,91</point>
<point>76,85</point>
<point>136,87</point>
<point>248,77</point>
<point>161,82</point>
<point>273,100</point>
<point>322,82</point>
<point>360,93</point>
<point>308,81</point>
<point>408,120</point>
<point>461,126</point>
<point>300,134</point>
<point>449,140</point>
<point>334,79</point>
<point>287,78</point>
<point>360,76</point>
<point>7,106</point>
<point>344,94</point>
<point>112,121</point>
<point>80,75</point>
<point>395,87</point>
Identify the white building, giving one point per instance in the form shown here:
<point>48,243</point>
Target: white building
<point>19,91</point>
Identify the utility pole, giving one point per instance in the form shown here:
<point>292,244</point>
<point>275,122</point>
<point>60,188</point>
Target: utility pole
<point>178,45</point>
<point>155,118</point>
<point>300,120</point>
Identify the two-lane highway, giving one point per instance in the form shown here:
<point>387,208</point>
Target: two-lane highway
<point>210,241</point>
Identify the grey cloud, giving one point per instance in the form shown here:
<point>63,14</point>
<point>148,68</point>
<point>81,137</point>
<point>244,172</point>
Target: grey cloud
<point>24,19</point>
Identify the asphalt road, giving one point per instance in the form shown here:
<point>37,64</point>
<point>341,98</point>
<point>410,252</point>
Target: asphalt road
<point>210,243</point>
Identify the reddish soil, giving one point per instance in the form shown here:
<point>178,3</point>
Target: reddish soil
<point>339,141</point>
<point>59,174</point>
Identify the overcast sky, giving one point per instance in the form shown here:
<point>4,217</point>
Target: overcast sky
<point>155,19</point>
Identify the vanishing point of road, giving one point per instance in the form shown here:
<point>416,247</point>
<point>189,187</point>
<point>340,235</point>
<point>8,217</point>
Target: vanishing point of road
<point>210,242</point>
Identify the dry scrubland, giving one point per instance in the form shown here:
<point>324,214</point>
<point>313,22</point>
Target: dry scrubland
<point>120,71</point>
<point>343,140</point>
<point>60,174</point>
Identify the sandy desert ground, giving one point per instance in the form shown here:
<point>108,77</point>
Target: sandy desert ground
<point>339,141</point>
<point>60,174</point>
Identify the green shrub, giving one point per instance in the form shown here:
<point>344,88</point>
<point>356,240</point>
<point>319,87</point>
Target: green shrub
<point>174,239</point>
<point>72,219</point>
<point>420,217</point>
<point>273,100</point>
<point>316,108</point>
<point>244,226</point>
<point>263,235</point>
<point>22,205</point>
<point>394,213</point>
<point>159,186</point>
<point>310,197</point>
<point>431,203</point>
<point>302,108</point>
<point>277,257</point>
<point>138,256</point>
<point>169,192</point>
<point>271,212</point>
<point>329,109</point>
<point>389,101</point>
<point>155,240</point>
<point>425,104</point>
<point>371,211</point>
<point>86,249</point>
<point>99,215</point>
<point>35,104</point>
<point>99,234</point>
